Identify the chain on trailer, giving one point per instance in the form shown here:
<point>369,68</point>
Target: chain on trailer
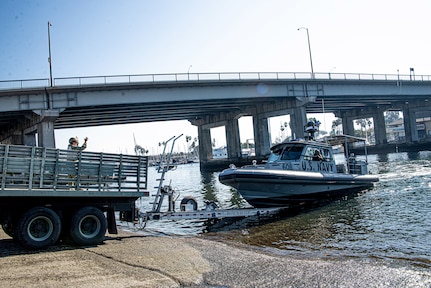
<point>188,205</point>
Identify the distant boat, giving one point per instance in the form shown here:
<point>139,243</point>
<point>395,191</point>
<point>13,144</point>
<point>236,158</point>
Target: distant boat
<point>220,152</point>
<point>298,171</point>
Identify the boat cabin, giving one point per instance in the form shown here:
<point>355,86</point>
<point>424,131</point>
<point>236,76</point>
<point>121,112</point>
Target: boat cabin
<point>302,156</point>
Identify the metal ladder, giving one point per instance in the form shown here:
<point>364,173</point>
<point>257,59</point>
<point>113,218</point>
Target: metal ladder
<point>162,191</point>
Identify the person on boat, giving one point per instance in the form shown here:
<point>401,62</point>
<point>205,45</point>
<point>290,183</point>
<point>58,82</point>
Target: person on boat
<point>317,156</point>
<point>74,144</point>
<point>352,158</point>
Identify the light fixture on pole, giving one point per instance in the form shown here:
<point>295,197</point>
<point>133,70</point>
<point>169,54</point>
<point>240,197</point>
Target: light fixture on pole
<point>188,72</point>
<point>309,50</point>
<point>50,58</point>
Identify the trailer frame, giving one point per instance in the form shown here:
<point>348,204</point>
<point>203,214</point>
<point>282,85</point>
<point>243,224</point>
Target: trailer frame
<point>189,206</point>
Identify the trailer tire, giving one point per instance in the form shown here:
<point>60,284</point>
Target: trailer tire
<point>38,228</point>
<point>88,226</point>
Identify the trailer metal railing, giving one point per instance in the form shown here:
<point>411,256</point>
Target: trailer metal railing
<point>36,170</point>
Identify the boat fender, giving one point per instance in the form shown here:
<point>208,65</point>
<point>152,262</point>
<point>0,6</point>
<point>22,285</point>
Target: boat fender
<point>189,204</point>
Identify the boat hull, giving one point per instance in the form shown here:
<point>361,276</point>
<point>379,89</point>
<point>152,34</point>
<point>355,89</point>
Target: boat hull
<point>273,188</point>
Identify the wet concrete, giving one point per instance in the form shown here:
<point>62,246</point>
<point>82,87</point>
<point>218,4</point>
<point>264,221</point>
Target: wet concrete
<point>131,260</point>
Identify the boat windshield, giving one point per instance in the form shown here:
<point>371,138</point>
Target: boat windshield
<point>292,153</point>
<point>274,156</point>
<point>288,153</point>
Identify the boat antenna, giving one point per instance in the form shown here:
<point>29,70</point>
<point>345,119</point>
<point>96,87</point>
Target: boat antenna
<point>311,128</point>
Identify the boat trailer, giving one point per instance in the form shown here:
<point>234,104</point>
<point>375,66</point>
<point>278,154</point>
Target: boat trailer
<point>189,206</point>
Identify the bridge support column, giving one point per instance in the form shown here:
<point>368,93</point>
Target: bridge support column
<point>380,128</point>
<point>262,138</point>
<point>348,128</point>
<point>205,145</point>
<point>29,136</point>
<point>410,128</point>
<point>29,139</point>
<point>298,120</point>
<point>45,128</point>
<point>233,140</point>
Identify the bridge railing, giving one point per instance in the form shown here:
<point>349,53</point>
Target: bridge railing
<point>24,84</point>
<point>196,77</point>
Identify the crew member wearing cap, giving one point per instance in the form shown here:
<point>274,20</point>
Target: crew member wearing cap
<point>74,144</point>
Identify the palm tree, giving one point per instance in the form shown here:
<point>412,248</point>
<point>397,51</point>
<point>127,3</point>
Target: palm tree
<point>363,123</point>
<point>337,122</point>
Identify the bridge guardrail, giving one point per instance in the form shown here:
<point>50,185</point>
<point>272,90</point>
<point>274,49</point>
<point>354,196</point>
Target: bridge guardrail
<point>24,84</point>
<point>193,77</point>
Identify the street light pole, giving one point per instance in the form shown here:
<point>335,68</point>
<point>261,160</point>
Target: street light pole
<point>188,72</point>
<point>49,58</point>
<point>309,51</point>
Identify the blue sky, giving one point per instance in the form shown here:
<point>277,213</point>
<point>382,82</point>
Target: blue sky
<point>90,38</point>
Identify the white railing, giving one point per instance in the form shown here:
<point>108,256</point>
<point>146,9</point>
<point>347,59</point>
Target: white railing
<point>202,77</point>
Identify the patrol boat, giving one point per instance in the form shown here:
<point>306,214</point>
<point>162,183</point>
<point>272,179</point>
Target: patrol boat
<point>298,171</point>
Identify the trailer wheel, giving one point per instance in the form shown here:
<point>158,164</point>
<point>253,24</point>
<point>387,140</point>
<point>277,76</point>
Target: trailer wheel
<point>38,228</point>
<point>88,226</point>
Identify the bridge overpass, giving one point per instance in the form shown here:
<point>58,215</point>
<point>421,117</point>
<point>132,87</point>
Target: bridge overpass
<point>208,100</point>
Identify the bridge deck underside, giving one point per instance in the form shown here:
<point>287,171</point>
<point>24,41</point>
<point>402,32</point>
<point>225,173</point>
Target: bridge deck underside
<point>189,110</point>
<point>123,114</point>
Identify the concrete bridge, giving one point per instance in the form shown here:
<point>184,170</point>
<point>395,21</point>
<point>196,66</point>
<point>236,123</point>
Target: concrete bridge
<point>209,100</point>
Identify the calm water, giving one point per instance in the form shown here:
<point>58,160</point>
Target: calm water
<point>391,221</point>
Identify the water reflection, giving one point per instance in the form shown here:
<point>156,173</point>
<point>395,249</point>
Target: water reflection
<point>390,221</point>
<point>223,196</point>
<point>208,181</point>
